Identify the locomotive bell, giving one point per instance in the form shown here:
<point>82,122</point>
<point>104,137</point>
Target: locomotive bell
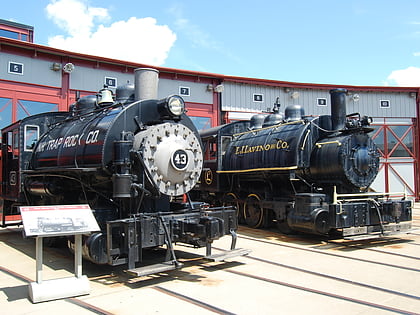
<point>105,97</point>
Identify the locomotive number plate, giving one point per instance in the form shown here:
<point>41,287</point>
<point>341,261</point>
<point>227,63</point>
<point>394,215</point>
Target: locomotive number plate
<point>180,160</point>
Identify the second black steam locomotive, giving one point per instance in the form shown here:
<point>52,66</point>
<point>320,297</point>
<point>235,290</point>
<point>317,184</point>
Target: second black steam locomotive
<point>128,159</point>
<point>308,174</point>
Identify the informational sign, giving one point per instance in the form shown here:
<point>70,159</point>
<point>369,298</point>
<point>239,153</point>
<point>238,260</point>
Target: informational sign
<point>58,220</point>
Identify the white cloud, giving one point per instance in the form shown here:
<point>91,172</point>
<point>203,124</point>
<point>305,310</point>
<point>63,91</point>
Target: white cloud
<point>404,77</point>
<point>137,39</point>
<point>74,16</point>
<point>196,35</point>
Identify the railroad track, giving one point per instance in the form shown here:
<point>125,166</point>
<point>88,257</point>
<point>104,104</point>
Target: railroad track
<point>371,305</point>
<point>288,274</point>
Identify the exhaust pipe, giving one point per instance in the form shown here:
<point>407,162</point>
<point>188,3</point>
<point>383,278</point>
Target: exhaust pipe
<point>145,83</point>
<point>338,108</point>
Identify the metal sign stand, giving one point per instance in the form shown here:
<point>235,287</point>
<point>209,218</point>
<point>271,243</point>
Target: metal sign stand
<point>47,290</point>
<point>60,220</point>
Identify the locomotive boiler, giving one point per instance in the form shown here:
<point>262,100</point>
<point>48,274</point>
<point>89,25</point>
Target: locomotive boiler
<point>129,159</point>
<point>307,174</point>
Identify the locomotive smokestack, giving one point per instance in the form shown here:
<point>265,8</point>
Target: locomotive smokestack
<point>146,83</point>
<point>338,108</point>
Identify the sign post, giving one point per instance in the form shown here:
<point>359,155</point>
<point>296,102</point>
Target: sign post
<point>60,220</point>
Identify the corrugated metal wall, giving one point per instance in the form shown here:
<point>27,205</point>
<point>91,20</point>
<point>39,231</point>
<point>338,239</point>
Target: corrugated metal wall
<point>236,97</point>
<point>35,71</point>
<point>198,92</point>
<point>38,72</point>
<point>83,78</point>
<point>239,97</point>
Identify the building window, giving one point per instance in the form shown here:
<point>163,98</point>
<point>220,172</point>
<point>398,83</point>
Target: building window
<point>15,68</point>
<point>9,34</point>
<point>28,108</point>
<point>321,101</point>
<point>385,104</point>
<point>201,123</point>
<point>5,112</point>
<point>184,91</point>
<point>258,97</point>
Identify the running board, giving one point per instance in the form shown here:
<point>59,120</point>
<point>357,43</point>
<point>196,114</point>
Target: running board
<point>361,237</point>
<point>228,254</point>
<point>154,269</point>
<point>367,232</point>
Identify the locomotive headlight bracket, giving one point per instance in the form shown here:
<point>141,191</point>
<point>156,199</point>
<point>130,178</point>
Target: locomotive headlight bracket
<point>172,106</point>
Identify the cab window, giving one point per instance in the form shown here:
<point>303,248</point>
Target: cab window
<point>31,137</point>
<point>15,143</point>
<point>210,149</point>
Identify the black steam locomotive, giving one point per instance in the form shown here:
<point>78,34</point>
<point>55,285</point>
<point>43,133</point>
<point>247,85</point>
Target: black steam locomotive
<point>308,174</point>
<point>129,159</point>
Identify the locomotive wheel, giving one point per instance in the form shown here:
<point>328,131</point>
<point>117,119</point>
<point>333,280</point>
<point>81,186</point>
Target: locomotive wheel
<point>284,227</point>
<point>230,199</point>
<point>322,222</point>
<point>253,212</point>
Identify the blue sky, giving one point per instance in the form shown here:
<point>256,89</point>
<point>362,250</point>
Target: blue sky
<point>350,42</point>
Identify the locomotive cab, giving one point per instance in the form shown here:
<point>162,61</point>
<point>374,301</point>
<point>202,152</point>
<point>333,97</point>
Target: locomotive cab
<point>18,143</point>
<point>216,142</point>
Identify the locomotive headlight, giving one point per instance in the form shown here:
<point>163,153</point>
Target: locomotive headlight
<point>172,106</point>
<point>176,105</point>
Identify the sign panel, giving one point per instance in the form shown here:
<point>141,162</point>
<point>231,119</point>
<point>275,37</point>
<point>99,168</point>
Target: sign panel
<point>58,220</point>
<point>15,68</point>
<point>111,82</point>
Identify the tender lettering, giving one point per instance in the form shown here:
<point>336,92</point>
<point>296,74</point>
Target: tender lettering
<point>69,141</point>
<point>92,137</point>
<point>245,149</point>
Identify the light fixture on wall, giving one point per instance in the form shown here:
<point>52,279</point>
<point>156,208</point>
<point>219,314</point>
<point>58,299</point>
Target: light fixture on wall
<point>56,66</point>
<point>219,88</point>
<point>68,67</point>
<point>294,95</point>
<point>355,97</point>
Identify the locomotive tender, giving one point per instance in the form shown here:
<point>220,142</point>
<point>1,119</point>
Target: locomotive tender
<point>307,174</point>
<point>128,158</point>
